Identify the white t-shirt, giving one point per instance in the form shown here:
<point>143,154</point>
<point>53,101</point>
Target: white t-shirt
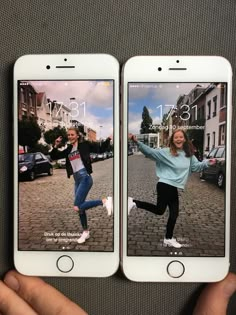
<point>75,160</point>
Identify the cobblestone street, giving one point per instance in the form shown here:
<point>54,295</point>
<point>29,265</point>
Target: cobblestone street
<point>47,218</point>
<point>199,227</point>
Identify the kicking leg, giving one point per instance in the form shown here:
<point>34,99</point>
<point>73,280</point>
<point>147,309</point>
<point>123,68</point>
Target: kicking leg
<point>173,215</point>
<point>162,201</point>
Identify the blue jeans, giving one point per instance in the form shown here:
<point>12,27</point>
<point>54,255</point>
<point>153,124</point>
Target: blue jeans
<point>83,184</point>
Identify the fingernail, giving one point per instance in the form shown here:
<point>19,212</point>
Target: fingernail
<point>12,282</point>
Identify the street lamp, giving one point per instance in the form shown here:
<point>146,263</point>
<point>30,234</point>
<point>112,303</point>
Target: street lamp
<point>101,136</point>
<point>101,133</point>
<point>72,99</point>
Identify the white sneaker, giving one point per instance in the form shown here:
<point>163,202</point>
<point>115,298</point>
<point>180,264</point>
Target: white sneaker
<point>171,242</point>
<point>109,205</point>
<point>131,204</point>
<point>84,236</point>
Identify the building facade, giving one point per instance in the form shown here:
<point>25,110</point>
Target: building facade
<point>27,101</point>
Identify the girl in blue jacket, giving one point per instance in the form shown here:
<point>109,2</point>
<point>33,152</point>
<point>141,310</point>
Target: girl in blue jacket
<point>173,167</point>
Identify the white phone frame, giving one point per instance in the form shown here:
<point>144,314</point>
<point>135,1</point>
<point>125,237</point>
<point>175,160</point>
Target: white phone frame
<point>87,67</point>
<point>199,69</point>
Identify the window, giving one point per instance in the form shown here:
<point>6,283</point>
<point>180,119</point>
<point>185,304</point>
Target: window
<point>222,135</point>
<point>209,109</point>
<point>44,157</point>
<point>214,106</point>
<point>213,139</point>
<point>223,95</point>
<point>220,152</point>
<point>22,96</point>
<point>38,157</point>
<point>212,153</point>
<point>24,114</point>
<point>203,112</point>
<point>199,113</point>
<point>208,142</point>
<point>30,99</point>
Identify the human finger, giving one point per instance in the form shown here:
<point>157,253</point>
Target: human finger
<point>12,304</point>
<point>215,297</point>
<point>42,297</point>
<point>59,139</point>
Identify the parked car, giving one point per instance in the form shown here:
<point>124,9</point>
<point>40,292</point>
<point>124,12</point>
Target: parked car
<point>61,163</point>
<point>49,158</point>
<point>216,172</point>
<point>32,164</point>
<point>109,154</point>
<point>130,152</point>
<point>101,156</point>
<point>93,157</point>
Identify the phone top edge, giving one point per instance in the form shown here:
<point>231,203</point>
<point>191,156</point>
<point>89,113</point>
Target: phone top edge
<point>53,59</point>
<point>177,61</point>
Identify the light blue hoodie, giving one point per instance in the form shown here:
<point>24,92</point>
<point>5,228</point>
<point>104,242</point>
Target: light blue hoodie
<point>173,170</point>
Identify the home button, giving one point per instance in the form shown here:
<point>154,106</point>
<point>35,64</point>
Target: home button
<point>175,269</point>
<point>65,263</point>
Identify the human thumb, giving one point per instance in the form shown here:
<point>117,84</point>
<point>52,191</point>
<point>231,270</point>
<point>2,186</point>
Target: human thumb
<point>215,297</point>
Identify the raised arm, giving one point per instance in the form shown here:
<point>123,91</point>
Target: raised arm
<point>154,154</point>
<point>197,166</point>
<point>55,154</point>
<point>105,145</point>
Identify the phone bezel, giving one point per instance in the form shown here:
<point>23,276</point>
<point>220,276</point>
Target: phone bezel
<point>194,69</point>
<point>79,67</point>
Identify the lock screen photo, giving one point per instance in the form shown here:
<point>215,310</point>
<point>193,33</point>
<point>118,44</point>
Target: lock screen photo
<point>176,169</point>
<point>65,165</point>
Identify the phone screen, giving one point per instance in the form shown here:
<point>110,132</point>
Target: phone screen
<point>176,169</point>
<point>62,195</point>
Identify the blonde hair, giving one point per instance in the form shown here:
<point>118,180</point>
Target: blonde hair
<point>80,137</point>
<point>75,129</point>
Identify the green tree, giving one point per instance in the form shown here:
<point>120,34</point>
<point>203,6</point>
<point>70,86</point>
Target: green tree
<point>39,147</point>
<point>164,120</point>
<point>51,135</point>
<point>29,132</point>
<point>146,124</point>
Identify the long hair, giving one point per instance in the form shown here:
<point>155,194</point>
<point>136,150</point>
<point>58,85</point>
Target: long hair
<point>80,138</point>
<point>187,147</point>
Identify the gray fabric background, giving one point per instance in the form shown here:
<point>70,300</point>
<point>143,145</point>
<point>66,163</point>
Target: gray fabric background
<point>123,29</point>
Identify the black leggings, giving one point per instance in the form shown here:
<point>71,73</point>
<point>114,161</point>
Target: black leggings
<point>167,195</point>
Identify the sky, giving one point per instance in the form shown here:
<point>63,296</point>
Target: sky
<point>94,98</point>
<point>156,97</point>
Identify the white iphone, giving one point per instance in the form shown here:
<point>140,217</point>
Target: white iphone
<point>176,168</point>
<point>66,163</point>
